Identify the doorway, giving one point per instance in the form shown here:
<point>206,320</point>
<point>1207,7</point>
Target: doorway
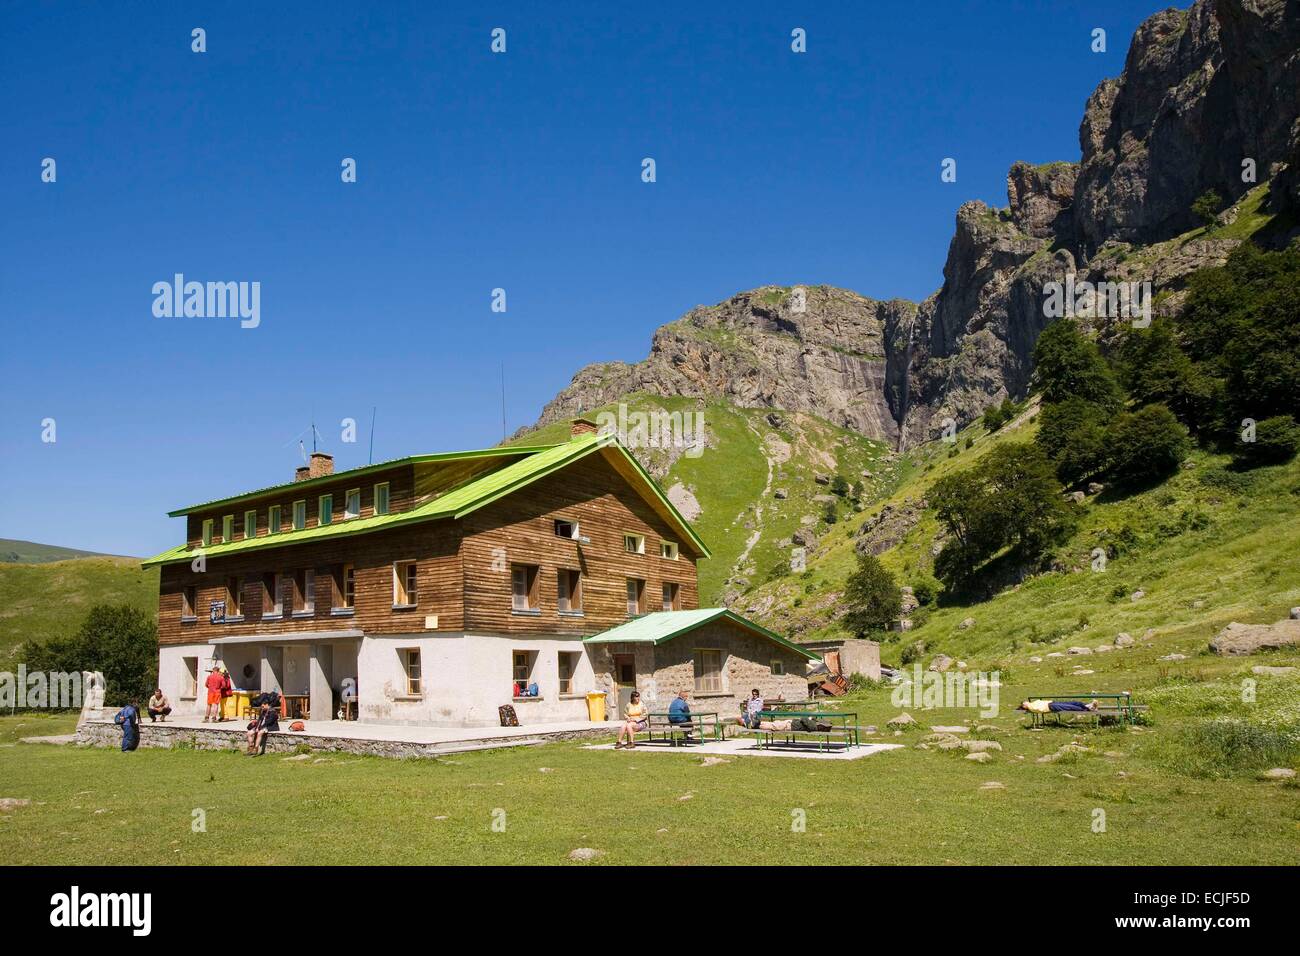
<point>624,680</point>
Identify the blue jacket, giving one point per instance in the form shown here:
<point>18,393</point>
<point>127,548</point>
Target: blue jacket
<point>679,712</point>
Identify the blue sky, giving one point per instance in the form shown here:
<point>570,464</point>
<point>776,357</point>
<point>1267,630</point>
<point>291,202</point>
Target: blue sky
<point>475,171</point>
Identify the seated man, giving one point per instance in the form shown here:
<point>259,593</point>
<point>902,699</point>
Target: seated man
<point>159,707</point>
<point>679,712</point>
<point>348,695</point>
<point>749,716</point>
<point>268,720</point>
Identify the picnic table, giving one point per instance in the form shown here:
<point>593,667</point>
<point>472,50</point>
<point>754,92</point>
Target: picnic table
<point>1122,708</point>
<point>844,725</point>
<point>700,726</point>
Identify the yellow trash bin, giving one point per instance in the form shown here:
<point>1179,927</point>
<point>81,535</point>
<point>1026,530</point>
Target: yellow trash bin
<point>596,707</point>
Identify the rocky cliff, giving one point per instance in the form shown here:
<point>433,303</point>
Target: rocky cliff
<point>1206,94</point>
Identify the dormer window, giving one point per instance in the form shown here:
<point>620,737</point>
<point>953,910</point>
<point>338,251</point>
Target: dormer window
<point>299,515</point>
<point>634,543</point>
<point>207,532</point>
<point>352,504</point>
<point>227,529</point>
<point>381,498</point>
<point>325,510</point>
<point>566,529</point>
<point>273,519</point>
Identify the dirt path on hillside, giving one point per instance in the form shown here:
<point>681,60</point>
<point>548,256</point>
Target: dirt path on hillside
<point>758,508</point>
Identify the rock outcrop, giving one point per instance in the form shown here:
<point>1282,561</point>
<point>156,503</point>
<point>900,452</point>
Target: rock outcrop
<point>1240,639</point>
<point>1203,90</point>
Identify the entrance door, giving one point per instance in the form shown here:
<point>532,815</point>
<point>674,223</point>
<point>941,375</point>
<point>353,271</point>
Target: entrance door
<point>624,680</point>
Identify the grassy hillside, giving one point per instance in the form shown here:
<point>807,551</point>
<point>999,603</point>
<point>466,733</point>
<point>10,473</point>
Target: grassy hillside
<point>14,551</point>
<point>40,601</point>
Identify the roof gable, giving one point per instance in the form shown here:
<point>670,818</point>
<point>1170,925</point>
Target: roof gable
<point>660,627</point>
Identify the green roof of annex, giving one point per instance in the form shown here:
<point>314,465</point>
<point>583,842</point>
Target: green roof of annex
<point>661,626</point>
<point>535,464</point>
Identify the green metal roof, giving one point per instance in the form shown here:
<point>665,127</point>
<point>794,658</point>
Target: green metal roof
<point>363,470</point>
<point>661,626</point>
<point>457,503</point>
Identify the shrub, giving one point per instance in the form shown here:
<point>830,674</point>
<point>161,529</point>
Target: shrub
<point>119,640</point>
<point>839,486</point>
<point>1277,440</point>
<point>925,591</point>
<point>1146,445</point>
<point>912,652</point>
<point>1206,207</point>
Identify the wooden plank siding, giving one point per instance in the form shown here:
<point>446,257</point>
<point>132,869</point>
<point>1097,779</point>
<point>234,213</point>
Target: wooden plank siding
<point>592,493</point>
<point>459,576</point>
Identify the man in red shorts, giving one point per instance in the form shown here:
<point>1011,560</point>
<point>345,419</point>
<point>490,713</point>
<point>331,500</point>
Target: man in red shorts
<point>214,684</point>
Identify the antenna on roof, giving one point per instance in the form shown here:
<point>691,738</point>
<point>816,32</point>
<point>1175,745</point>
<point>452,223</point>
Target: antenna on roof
<point>372,435</point>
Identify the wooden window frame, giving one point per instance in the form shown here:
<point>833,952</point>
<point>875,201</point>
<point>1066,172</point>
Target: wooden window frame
<point>640,597</point>
<point>414,675</point>
<point>227,529</point>
<point>253,513</point>
<point>668,550</point>
<point>325,510</point>
<point>304,590</point>
<point>672,594</point>
<point>531,595</point>
<point>406,583</point>
<point>272,595</point>
<point>566,683</point>
<point>568,591</point>
<point>206,537</point>
<point>638,541</point>
<point>374,501</point>
<point>297,525</point>
<point>349,513</point>
<point>234,595</point>
<point>189,603</point>
<point>529,666</point>
<point>698,660</point>
<point>274,519</point>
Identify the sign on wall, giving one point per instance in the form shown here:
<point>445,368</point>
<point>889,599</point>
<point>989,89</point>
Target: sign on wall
<point>217,612</point>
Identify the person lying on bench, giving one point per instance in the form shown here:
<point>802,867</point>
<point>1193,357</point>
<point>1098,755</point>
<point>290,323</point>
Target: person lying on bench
<point>634,721</point>
<point>679,712</point>
<point>1056,706</point>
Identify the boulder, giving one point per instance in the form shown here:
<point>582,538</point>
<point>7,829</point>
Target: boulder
<point>1078,650</point>
<point>1240,639</point>
<point>902,720</point>
<point>780,494</point>
<point>1279,773</point>
<point>1137,595</point>
<point>1035,659</point>
<point>583,853</point>
<point>1076,496</point>
<point>1295,613</point>
<point>940,663</point>
<point>979,757</point>
<point>980,746</point>
<point>1174,657</point>
<point>1124,639</point>
<point>967,623</point>
<point>822,479</point>
<point>1094,488</point>
<point>1104,648</point>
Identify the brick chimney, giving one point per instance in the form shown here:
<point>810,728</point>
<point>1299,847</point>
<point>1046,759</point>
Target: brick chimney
<point>321,465</point>
<point>582,426</point>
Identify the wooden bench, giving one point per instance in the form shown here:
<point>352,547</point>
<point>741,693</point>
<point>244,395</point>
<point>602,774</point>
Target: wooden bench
<point>701,727</point>
<point>843,728</point>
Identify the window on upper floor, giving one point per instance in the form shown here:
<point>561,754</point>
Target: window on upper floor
<point>233,587</point>
<point>668,549</point>
<point>227,529</point>
<point>404,584</point>
<point>635,596</point>
<point>568,591</point>
<point>250,524</point>
<point>304,592</point>
<point>352,504</point>
<point>272,595</point>
<point>523,587</point>
<point>325,510</point>
<point>273,519</point>
<point>207,532</point>
<point>343,585</point>
<point>671,600</point>
<point>189,600</point>
<point>566,529</point>
<point>634,543</point>
<point>381,498</point>
<point>299,515</point>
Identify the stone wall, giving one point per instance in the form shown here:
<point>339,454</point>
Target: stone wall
<point>96,733</point>
<point>747,663</point>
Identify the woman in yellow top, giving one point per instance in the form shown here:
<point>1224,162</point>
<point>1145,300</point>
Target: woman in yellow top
<point>634,719</point>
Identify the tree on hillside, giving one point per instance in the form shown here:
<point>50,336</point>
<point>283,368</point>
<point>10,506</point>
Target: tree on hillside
<point>117,639</point>
<point>1241,325</point>
<point>1069,365</point>
<point>839,486</point>
<point>1277,440</point>
<point>1156,371</point>
<point>1072,434</point>
<point>1146,445</point>
<point>1206,207</point>
<point>1010,500</point>
<point>871,597</point>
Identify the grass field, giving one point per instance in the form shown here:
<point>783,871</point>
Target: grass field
<point>906,806</point>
